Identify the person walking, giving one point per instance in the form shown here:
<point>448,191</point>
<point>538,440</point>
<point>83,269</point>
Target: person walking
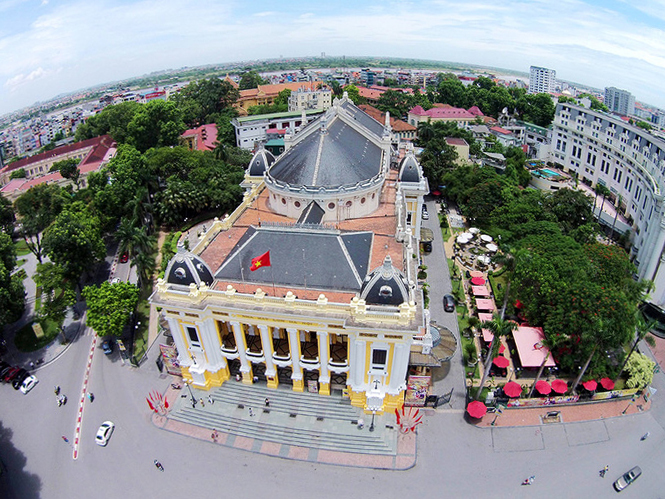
<point>604,470</point>
<point>251,412</point>
<point>91,396</point>
<point>56,390</point>
<point>158,465</point>
<point>210,400</point>
<point>267,402</point>
<point>201,402</point>
<point>65,439</point>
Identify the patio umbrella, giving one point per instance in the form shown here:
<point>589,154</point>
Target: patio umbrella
<point>502,348</point>
<point>485,260</point>
<point>590,385</point>
<point>543,387</point>
<point>486,238</point>
<point>512,389</point>
<point>476,409</point>
<point>607,383</point>
<point>474,230</point>
<point>559,386</point>
<point>477,281</point>
<point>492,247</point>
<point>501,361</point>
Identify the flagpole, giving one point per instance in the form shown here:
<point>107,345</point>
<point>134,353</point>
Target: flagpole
<point>304,270</point>
<point>272,274</point>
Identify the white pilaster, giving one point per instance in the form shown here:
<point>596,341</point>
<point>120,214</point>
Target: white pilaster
<point>181,342</point>
<point>324,355</point>
<point>239,334</point>
<point>266,344</point>
<point>294,345</point>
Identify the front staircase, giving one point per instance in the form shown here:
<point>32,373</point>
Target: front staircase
<point>291,418</point>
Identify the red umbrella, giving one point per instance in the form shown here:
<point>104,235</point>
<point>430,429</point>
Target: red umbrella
<point>476,409</point>
<point>518,304</point>
<point>590,385</point>
<point>436,193</point>
<point>512,389</point>
<point>502,349</point>
<point>559,386</point>
<point>477,281</point>
<point>501,361</point>
<point>543,387</point>
<point>607,383</point>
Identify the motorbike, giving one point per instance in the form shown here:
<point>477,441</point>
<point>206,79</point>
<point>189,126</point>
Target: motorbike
<point>62,400</point>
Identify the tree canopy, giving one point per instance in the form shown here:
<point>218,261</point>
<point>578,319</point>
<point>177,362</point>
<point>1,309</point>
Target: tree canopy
<point>110,307</point>
<point>12,292</point>
<point>250,79</point>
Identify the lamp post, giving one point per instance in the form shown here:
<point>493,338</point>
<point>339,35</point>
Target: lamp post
<point>371,426</point>
<point>191,394</point>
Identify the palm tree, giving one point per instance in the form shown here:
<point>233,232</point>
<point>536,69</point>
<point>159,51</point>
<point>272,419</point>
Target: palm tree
<point>220,151</point>
<point>425,132</point>
<point>546,344</point>
<point>604,192</point>
<point>145,266</point>
<point>499,327</point>
<point>642,328</point>
<point>616,213</point>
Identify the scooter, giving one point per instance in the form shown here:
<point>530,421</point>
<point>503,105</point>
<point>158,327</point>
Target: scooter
<point>62,400</point>
<point>159,465</point>
<point>529,480</point>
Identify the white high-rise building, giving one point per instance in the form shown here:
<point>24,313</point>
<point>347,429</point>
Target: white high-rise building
<point>620,101</point>
<point>541,80</point>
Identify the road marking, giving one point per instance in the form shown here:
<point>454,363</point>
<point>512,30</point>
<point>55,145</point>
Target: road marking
<point>79,419</point>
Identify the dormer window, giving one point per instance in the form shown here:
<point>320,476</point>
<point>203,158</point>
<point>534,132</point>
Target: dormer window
<point>386,291</point>
<point>180,272</point>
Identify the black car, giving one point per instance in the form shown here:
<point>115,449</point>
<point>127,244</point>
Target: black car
<point>4,367</point>
<point>448,303</point>
<point>18,379</point>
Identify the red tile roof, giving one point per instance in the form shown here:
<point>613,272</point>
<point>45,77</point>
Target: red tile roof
<point>443,112</point>
<point>454,141</point>
<point>397,124</point>
<point>500,130</point>
<point>205,136</point>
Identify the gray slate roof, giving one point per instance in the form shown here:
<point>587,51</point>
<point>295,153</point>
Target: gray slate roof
<point>365,119</point>
<point>312,214</point>
<point>186,268</point>
<point>337,155</point>
<point>321,259</point>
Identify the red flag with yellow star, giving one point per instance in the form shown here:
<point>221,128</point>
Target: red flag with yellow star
<point>260,261</point>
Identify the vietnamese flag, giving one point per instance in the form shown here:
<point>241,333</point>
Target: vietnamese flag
<point>260,261</point>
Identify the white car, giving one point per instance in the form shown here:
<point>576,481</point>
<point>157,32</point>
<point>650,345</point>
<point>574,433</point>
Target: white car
<point>104,433</point>
<point>28,384</point>
<point>115,280</point>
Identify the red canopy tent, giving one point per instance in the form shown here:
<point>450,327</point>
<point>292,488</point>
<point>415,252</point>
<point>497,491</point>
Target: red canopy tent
<point>477,281</point>
<point>590,385</point>
<point>607,383</point>
<point>501,361</point>
<point>480,290</point>
<point>512,389</point>
<point>559,386</point>
<point>543,387</point>
<point>476,409</point>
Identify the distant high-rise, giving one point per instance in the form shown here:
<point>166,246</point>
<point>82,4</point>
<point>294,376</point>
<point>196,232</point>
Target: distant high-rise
<point>620,101</point>
<point>541,80</point>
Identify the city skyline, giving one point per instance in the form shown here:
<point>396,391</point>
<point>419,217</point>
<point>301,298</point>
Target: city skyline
<point>49,48</point>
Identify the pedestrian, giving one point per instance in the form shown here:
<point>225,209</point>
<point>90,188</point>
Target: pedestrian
<point>237,377</point>
<point>56,389</point>
<point>267,402</point>
<point>193,404</point>
<point>210,400</point>
<point>214,435</point>
<point>201,401</point>
<point>65,439</point>
<point>32,365</point>
<point>251,412</point>
<point>91,396</point>
<point>158,465</point>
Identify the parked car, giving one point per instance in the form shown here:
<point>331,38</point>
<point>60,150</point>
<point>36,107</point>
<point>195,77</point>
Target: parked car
<point>104,433</point>
<point>107,346</point>
<point>28,384</point>
<point>425,213</point>
<point>448,303</point>
<point>124,257</point>
<point>115,280</point>
<point>18,379</point>
<point>11,374</point>
<point>627,478</point>
<point>4,369</point>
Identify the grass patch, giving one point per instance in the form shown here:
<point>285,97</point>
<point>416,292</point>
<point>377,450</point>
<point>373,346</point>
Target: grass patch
<point>21,248</point>
<point>495,281</point>
<point>26,341</point>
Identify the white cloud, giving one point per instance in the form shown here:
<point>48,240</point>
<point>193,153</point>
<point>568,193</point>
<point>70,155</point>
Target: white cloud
<point>21,78</point>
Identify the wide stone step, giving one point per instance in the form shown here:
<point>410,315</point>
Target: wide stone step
<point>362,442</point>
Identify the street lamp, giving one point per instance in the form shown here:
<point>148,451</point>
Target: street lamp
<point>371,426</point>
<point>191,394</point>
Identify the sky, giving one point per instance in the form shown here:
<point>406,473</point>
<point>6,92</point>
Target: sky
<point>49,47</point>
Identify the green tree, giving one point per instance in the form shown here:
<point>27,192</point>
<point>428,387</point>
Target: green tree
<point>596,105</point>
<point>396,103</point>
<point>58,292</point>
<point>7,216</point>
<point>74,241</point>
<point>18,173</point>
<point>452,91</point>
<point>68,168</point>
<point>202,101</point>
<point>37,208</point>
<point>640,368</point>
<point>354,95</point>
<point>112,120</point>
<point>110,307</point>
<point>12,292</point>
<point>157,123</point>
<point>250,79</point>
<point>642,328</point>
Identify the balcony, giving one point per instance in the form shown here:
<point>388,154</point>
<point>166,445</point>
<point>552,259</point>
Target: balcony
<point>310,355</point>
<point>229,348</point>
<point>254,350</point>
<point>281,355</point>
<point>338,362</point>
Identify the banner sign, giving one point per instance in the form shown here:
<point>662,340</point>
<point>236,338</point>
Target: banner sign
<point>170,357</point>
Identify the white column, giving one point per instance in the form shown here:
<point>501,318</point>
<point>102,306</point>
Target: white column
<point>266,344</point>
<point>294,344</point>
<point>324,347</point>
<point>399,366</point>
<point>357,367</point>
<point>212,344</point>
<point>239,334</point>
<point>181,341</point>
